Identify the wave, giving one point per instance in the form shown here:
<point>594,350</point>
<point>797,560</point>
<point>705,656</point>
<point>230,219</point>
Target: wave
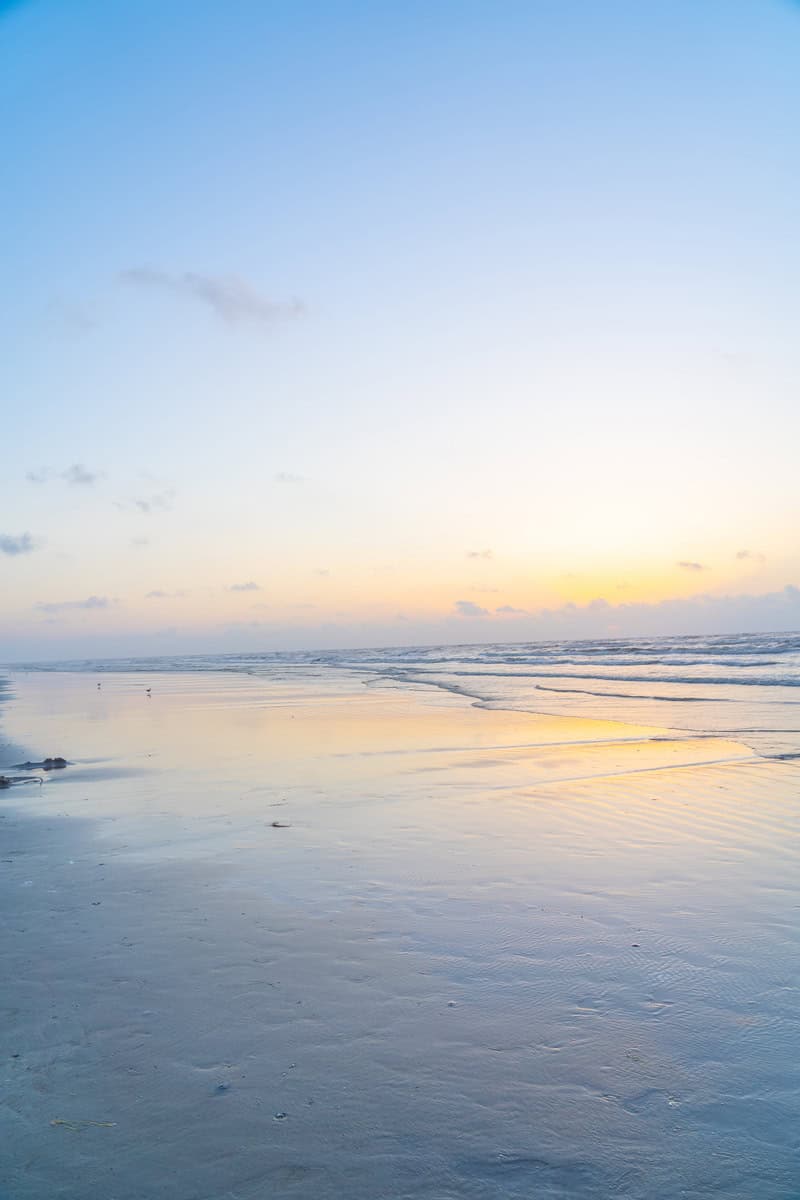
<point>636,696</point>
<point>722,680</point>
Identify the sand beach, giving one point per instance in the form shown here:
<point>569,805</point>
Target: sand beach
<point>283,939</point>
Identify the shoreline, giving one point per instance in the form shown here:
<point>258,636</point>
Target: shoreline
<point>742,686</point>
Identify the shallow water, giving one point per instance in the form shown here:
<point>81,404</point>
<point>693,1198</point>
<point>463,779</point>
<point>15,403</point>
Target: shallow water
<point>491,954</point>
<point>744,685</point>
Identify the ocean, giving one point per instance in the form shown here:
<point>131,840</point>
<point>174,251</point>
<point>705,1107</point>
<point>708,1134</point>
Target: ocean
<point>743,685</point>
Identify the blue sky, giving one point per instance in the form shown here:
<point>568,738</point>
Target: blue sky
<point>430,321</point>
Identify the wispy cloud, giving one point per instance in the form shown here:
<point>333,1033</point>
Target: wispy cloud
<point>138,542</point>
<point>250,586</point>
<point>57,606</point>
<point>466,608</point>
<point>77,474</point>
<point>288,477</point>
<point>692,566</point>
<point>480,554</point>
<point>160,502</point>
<point>509,610</point>
<point>752,555</point>
<point>156,502</point>
<point>323,572</point>
<point>229,297</point>
<point>702,613</point>
<point>157,594</point>
<point>23,543</point>
<point>80,476</point>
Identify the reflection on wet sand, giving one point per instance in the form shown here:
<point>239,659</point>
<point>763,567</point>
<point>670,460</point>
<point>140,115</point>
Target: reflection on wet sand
<point>265,940</point>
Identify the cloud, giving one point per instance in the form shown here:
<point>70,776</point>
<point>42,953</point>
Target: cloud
<point>229,297</point>
<point>160,502</point>
<point>91,602</point>
<point>22,544</point>
<point>322,571</point>
<point>250,586</point>
<point>752,555</point>
<point>508,609</point>
<point>465,608</point>
<point>480,554</point>
<point>288,477</point>
<point>157,502</point>
<point>79,475</point>
<point>140,541</point>
<point>76,474</point>
<point>692,566</point>
<point>702,613</point>
<point>157,594</point>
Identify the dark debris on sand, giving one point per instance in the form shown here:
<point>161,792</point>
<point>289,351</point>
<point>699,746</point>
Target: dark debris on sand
<point>47,764</point>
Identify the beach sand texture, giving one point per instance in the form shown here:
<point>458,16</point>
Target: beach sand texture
<point>483,954</point>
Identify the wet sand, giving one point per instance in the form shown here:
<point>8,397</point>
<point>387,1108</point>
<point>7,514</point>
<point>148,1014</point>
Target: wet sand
<point>488,955</point>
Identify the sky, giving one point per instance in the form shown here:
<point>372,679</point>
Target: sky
<point>363,323</point>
